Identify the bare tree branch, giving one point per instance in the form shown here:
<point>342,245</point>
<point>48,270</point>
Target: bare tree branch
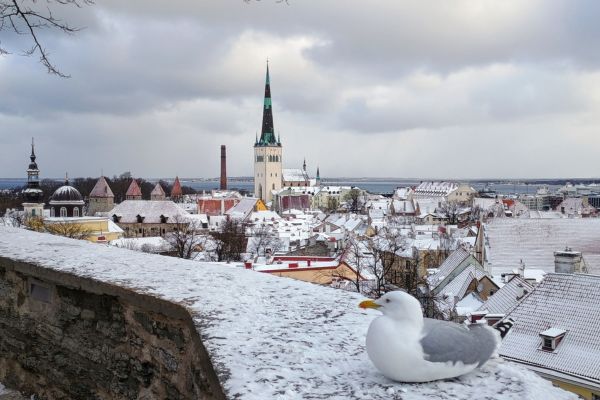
<point>20,17</point>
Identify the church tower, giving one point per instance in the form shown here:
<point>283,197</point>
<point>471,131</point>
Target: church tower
<point>267,153</point>
<point>33,195</point>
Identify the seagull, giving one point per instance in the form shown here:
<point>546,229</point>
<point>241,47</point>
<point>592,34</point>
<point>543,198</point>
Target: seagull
<point>406,347</point>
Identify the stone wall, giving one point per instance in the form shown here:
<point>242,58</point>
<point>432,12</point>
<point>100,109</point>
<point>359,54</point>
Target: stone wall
<point>66,337</point>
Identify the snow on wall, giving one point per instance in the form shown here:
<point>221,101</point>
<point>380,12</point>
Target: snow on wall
<point>268,337</point>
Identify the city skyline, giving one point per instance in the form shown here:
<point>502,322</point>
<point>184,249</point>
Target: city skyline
<point>420,90</point>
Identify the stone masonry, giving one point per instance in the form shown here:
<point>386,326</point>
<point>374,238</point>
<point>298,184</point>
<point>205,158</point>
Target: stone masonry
<point>65,337</point>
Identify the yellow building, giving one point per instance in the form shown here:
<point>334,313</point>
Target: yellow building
<point>94,229</point>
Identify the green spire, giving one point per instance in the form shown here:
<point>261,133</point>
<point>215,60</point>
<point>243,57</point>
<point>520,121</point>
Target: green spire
<point>267,135</point>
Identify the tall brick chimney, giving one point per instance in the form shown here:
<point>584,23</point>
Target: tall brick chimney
<point>223,185</point>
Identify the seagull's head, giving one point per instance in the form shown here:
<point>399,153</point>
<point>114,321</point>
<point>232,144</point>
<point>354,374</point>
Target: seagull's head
<point>397,305</point>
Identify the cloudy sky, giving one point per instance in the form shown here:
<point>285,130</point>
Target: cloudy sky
<point>458,89</point>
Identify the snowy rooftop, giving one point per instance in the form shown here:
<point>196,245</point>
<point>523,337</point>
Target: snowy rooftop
<point>294,175</point>
<point>508,296</point>
<point>268,337</point>
<point>535,240</point>
<point>565,302</point>
<point>151,210</point>
<point>456,258</point>
<point>101,189</point>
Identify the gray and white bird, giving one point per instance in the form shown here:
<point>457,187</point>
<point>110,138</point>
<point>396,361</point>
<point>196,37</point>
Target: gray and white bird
<point>406,347</point>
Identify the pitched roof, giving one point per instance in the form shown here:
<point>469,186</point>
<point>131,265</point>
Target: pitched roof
<point>101,189</point>
<point>294,175</point>
<point>176,190</point>
<point>452,261</point>
<point>151,210</point>
<point>508,296</point>
<point>242,209</point>
<point>534,241</point>
<point>134,189</point>
<point>562,301</point>
<point>460,284</point>
<point>157,191</point>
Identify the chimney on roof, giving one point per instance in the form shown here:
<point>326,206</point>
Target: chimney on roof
<point>223,185</point>
<point>568,261</point>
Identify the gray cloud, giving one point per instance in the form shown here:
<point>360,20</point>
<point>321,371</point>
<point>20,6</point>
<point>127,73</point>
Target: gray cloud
<point>359,89</point>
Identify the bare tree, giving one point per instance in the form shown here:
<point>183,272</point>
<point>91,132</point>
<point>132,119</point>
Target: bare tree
<point>263,240</point>
<point>354,200</point>
<point>29,17</point>
<point>186,238</point>
<point>385,249</point>
<point>354,256</point>
<point>452,210</point>
<point>13,218</point>
<point>68,229</point>
<point>230,240</point>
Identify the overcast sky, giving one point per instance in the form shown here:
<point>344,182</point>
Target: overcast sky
<point>460,89</point>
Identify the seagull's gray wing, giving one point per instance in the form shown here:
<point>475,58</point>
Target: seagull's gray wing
<point>449,342</point>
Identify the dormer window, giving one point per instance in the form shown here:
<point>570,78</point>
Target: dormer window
<point>116,218</point>
<point>163,219</point>
<point>551,338</point>
<point>140,218</point>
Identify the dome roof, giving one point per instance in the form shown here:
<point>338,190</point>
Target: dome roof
<point>66,194</point>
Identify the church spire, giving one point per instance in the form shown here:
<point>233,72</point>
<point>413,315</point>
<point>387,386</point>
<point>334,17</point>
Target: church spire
<point>267,135</point>
<point>33,193</point>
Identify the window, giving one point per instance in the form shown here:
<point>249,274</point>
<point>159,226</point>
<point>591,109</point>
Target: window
<point>63,212</point>
<point>76,212</point>
<point>52,211</point>
<point>548,345</point>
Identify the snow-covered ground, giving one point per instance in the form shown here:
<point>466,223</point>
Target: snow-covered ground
<point>269,337</point>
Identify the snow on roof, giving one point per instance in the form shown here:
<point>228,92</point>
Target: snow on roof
<point>242,209</point>
<point>268,337</point>
<point>435,189</point>
<point>508,296</point>
<point>101,189</point>
<point>450,263</point>
<point>134,189</point>
<point>158,190</point>
<point>564,301</point>
<point>154,244</point>
<point>486,203</point>
<point>198,218</point>
<point>553,332</point>
<point>535,240</point>
<point>460,284</point>
<point>150,209</point>
<point>261,216</point>
<point>402,193</point>
<point>468,304</point>
<point>294,175</point>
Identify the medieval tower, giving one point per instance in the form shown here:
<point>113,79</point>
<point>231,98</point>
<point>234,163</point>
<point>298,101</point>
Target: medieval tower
<point>267,153</point>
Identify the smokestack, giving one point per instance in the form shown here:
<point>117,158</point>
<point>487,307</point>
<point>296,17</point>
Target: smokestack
<point>223,185</point>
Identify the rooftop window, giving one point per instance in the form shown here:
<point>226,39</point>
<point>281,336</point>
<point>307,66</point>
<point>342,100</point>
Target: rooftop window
<point>551,338</point>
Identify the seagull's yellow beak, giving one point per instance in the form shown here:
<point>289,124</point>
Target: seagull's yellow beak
<point>368,304</point>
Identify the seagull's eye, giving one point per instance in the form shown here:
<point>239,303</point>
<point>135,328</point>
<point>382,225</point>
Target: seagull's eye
<point>387,300</point>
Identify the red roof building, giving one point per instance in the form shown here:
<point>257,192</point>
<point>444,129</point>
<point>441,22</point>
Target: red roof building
<point>176,192</point>
<point>134,192</point>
